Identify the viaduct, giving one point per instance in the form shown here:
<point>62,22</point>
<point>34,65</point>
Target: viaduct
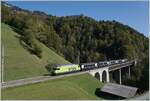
<point>103,73</point>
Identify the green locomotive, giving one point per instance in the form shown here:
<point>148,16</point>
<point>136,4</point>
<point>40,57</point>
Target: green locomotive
<point>60,69</point>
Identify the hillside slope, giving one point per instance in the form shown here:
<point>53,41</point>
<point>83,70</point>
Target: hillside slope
<point>74,87</point>
<point>19,63</point>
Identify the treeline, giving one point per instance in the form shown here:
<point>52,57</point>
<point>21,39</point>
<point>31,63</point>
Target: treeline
<point>77,38</point>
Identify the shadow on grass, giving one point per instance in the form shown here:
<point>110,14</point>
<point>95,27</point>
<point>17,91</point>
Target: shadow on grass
<point>107,95</point>
<point>46,74</point>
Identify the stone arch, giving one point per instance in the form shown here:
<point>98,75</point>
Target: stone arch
<point>97,75</point>
<point>104,76</point>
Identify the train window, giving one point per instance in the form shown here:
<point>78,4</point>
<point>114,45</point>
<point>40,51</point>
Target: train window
<point>56,68</point>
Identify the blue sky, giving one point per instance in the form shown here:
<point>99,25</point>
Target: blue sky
<point>132,13</point>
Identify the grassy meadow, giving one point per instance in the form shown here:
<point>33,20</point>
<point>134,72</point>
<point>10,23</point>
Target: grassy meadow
<point>74,87</point>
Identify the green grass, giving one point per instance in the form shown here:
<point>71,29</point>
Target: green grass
<point>74,87</point>
<point>19,63</point>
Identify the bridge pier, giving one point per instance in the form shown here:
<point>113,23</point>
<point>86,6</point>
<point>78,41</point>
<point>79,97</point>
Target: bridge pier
<point>120,76</point>
<point>103,74</point>
<point>100,76</point>
<point>129,72</point>
<point>108,79</point>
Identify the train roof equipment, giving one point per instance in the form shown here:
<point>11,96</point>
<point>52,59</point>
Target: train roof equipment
<point>68,65</point>
<point>89,63</point>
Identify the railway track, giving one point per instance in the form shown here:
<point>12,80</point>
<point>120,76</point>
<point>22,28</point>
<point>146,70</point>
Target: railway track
<point>36,79</point>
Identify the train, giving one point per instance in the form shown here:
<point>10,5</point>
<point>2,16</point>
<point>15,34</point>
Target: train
<point>69,68</point>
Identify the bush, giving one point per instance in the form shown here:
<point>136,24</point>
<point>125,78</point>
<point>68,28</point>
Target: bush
<point>31,42</point>
<point>37,51</point>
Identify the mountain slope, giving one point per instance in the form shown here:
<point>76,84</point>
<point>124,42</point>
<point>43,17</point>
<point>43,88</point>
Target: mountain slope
<point>19,63</point>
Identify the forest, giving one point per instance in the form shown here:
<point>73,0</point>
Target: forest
<point>80,39</point>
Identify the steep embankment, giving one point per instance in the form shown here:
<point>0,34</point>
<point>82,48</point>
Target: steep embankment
<point>19,63</point>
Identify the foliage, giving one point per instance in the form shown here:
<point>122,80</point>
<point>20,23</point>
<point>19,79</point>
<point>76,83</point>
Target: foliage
<point>140,76</point>
<point>29,38</point>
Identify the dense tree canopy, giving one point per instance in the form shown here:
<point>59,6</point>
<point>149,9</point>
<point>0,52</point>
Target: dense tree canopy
<point>79,38</point>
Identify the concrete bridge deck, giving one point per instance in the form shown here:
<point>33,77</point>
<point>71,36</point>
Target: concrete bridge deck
<point>122,65</point>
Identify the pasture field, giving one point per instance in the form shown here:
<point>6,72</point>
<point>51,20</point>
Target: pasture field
<point>81,87</point>
<point>19,63</point>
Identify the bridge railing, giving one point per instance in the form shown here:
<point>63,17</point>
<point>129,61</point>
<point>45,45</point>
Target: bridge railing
<point>122,65</point>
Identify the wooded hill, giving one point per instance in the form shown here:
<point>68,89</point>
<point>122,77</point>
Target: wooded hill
<point>77,38</point>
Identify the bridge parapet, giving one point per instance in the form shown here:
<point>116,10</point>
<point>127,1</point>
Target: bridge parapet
<point>122,65</point>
